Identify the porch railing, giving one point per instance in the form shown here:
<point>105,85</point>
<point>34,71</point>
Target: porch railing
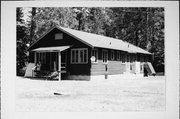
<point>63,67</point>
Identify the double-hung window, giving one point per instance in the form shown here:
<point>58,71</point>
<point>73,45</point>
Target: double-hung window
<point>112,55</point>
<point>105,56</point>
<point>141,58</point>
<point>118,55</point>
<point>131,58</point>
<point>79,55</point>
<point>95,55</point>
<point>123,57</point>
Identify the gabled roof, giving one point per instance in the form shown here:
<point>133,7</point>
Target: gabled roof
<point>94,40</point>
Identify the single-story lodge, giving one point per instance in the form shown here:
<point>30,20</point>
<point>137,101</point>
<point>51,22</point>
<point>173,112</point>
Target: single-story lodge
<point>84,56</point>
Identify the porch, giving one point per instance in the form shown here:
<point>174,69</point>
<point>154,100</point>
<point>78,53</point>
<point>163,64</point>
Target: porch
<point>50,61</point>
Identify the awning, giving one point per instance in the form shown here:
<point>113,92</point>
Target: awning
<point>51,49</point>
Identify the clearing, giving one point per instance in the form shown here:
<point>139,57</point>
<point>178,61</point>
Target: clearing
<point>146,94</point>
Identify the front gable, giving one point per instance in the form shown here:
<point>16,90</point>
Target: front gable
<point>58,37</point>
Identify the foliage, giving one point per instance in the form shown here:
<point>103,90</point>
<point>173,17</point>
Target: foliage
<point>48,17</point>
<point>21,56</point>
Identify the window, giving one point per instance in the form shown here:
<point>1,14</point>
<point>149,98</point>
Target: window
<point>141,65</point>
<point>105,56</point>
<point>58,36</point>
<point>123,57</point>
<point>95,54</point>
<point>146,58</point>
<point>132,59</point>
<point>141,58</point>
<point>130,66</point>
<point>118,55</point>
<point>112,55</point>
<point>128,58</point>
<point>79,55</point>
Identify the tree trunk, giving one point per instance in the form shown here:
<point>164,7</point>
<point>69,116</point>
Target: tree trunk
<point>33,25</point>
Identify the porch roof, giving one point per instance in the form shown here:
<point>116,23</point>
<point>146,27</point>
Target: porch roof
<point>51,49</point>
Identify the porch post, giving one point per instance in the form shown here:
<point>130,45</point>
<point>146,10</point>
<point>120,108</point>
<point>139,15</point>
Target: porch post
<point>59,65</point>
<point>35,59</point>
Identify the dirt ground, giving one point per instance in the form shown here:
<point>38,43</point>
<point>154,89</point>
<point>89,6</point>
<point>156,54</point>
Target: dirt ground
<point>146,94</point>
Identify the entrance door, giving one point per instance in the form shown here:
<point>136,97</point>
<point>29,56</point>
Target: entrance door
<point>53,61</point>
<point>63,61</point>
<point>128,63</point>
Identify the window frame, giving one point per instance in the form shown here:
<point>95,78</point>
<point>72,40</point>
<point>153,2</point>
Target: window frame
<point>131,58</point>
<point>118,57</point>
<point>112,55</point>
<point>96,50</point>
<point>141,58</point>
<point>106,55</point>
<point>123,55</point>
<point>57,35</point>
<point>77,53</point>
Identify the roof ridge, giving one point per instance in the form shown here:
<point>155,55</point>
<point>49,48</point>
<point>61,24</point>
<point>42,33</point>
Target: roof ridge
<point>97,40</point>
<point>112,38</point>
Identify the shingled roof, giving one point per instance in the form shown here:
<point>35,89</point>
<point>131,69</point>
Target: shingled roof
<point>100,41</point>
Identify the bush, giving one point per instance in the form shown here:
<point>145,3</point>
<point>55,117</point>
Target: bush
<point>21,72</point>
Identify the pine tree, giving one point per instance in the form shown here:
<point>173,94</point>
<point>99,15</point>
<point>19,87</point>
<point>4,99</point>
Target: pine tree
<point>21,57</point>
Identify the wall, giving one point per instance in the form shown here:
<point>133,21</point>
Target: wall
<point>113,66</point>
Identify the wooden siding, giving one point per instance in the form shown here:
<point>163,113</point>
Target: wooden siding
<point>49,41</point>
<point>132,69</point>
<point>113,67</point>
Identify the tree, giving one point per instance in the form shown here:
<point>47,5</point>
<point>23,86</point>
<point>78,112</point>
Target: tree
<point>143,27</point>
<point>47,17</point>
<point>21,56</point>
<point>32,25</point>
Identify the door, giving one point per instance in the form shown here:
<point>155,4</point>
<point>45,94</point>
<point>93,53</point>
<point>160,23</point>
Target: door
<point>63,61</point>
<point>128,63</point>
<point>53,61</point>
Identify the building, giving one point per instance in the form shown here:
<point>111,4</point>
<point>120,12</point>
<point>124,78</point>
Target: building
<point>85,56</point>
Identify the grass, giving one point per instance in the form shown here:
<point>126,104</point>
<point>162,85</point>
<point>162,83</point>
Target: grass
<point>147,94</point>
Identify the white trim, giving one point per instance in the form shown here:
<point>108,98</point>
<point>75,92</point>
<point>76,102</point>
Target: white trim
<point>59,67</point>
<point>79,51</point>
<point>95,49</point>
<point>107,56</point>
<point>51,49</point>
